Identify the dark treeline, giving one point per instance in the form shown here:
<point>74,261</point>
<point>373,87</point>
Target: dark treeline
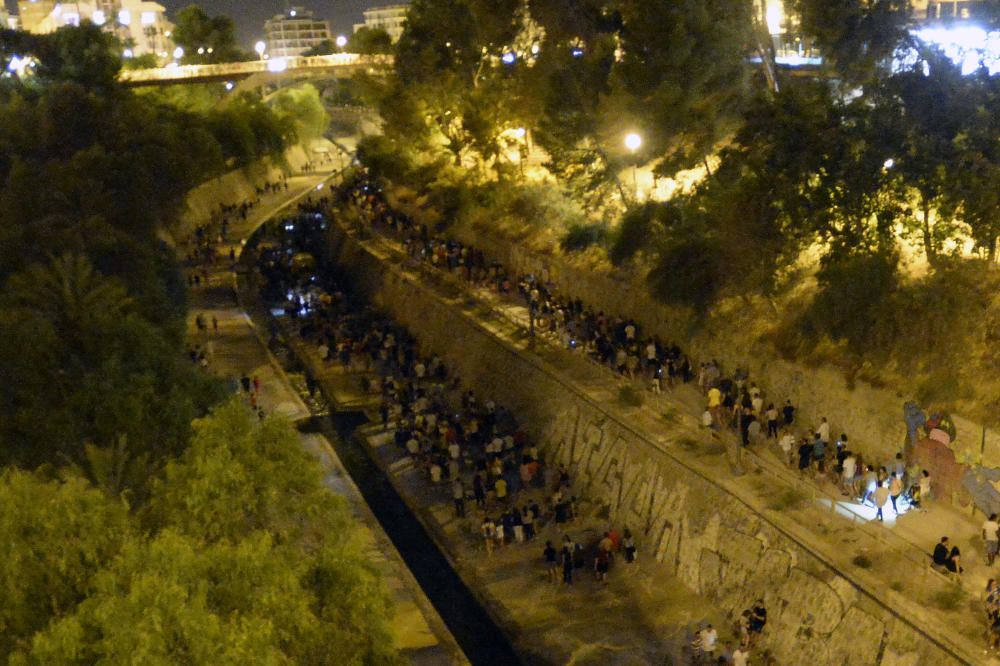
<point>92,314</point>
<point>144,520</point>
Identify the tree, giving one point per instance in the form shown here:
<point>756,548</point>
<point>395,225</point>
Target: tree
<point>682,76</point>
<point>55,536</point>
<point>325,47</point>
<point>96,370</point>
<point>930,115</point>
<point>858,37</point>
<point>206,39</point>
<point>302,106</point>
<point>370,41</point>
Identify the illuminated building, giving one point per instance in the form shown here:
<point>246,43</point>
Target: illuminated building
<point>388,17</point>
<point>140,25</point>
<point>294,32</point>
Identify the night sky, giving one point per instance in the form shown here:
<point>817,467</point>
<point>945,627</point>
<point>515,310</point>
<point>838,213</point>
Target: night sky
<point>251,14</point>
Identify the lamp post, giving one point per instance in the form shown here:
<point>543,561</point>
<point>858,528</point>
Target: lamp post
<point>521,134</point>
<point>260,47</point>
<point>633,142</point>
<point>341,42</point>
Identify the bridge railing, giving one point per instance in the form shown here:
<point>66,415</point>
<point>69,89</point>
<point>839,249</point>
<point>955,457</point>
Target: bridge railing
<point>239,69</point>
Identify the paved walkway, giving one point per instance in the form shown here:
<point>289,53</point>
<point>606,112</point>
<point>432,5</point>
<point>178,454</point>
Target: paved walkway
<point>643,616</point>
<point>837,531</point>
<point>235,349</point>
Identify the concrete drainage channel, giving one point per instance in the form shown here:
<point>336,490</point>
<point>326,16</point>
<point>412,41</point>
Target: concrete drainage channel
<point>474,630</point>
<point>476,633</point>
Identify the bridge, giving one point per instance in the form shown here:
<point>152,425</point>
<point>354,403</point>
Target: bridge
<point>260,71</point>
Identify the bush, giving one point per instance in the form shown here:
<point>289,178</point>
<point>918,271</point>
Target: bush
<point>640,229</point>
<point>687,273</point>
<point>581,236</point>
<point>631,397</point>
<point>950,598</point>
<point>789,498</point>
<point>862,561</point>
<point>854,306</point>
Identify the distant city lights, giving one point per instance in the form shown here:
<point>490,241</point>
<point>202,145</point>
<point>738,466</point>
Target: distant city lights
<point>969,46</point>
<point>509,58</point>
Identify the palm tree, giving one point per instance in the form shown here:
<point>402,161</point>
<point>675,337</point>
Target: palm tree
<point>69,293</point>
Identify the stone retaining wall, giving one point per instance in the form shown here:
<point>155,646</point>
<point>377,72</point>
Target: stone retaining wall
<point>714,543</point>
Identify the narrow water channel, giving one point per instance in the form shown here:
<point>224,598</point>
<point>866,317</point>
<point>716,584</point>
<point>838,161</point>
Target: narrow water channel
<point>473,629</point>
<point>476,633</point>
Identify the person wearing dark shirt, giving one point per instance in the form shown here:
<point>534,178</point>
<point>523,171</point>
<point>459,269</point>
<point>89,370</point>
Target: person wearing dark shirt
<point>788,412</point>
<point>941,553</point>
<point>805,455</point>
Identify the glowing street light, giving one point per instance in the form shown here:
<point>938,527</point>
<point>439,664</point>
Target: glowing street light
<point>520,134</point>
<point>178,53</point>
<point>633,142</point>
<point>341,41</point>
<point>260,47</point>
<point>774,16</point>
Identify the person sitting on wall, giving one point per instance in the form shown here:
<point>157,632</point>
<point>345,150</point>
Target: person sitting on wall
<point>949,560</point>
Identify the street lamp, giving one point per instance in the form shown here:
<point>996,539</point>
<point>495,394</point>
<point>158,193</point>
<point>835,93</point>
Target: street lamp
<point>633,142</point>
<point>260,47</point>
<point>520,134</point>
<point>341,42</point>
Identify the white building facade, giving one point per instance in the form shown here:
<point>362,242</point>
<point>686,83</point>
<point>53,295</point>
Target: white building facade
<point>141,25</point>
<point>388,17</point>
<point>294,32</point>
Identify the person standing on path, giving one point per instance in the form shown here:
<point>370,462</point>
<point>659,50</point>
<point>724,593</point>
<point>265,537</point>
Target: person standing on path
<point>881,497</point>
<point>895,490</point>
<point>788,411</point>
<point>991,539</point>
<point>551,562</point>
<point>567,561</point>
<point>458,495</point>
<point>925,489</point>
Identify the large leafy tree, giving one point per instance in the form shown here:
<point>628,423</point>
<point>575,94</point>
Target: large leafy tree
<point>857,37</point>
<point>243,556</point>
<point>97,370</point>
<point>206,39</point>
<point>54,539</point>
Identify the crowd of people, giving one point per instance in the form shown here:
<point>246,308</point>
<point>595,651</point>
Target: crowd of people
<point>476,453</point>
<point>473,451</point>
<point>732,401</point>
<point>706,648</point>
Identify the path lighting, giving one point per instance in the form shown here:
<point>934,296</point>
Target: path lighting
<point>341,41</point>
<point>178,53</point>
<point>774,16</point>
<point>520,134</point>
<point>633,142</point>
<point>277,65</point>
<point>889,163</point>
<point>260,47</point>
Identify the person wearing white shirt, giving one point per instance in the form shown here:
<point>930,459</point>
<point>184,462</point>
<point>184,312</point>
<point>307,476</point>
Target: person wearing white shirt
<point>824,431</point>
<point>709,640</point>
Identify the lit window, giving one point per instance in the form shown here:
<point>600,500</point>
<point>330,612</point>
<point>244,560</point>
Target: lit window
<point>148,18</point>
<point>125,17</point>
